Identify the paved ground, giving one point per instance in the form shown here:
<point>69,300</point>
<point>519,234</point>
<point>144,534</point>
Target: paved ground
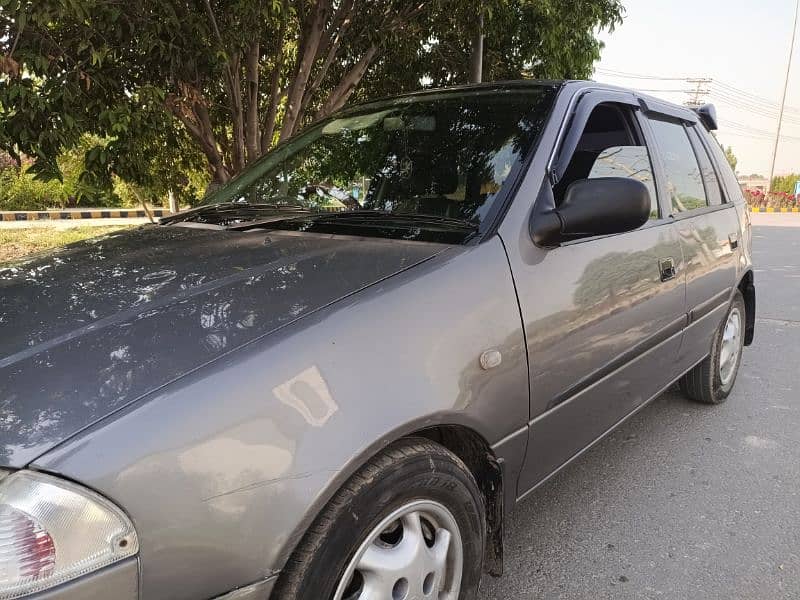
<point>684,501</point>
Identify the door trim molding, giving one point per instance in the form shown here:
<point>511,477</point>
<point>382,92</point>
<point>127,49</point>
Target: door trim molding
<point>599,438</point>
<point>620,362</point>
<point>709,306</point>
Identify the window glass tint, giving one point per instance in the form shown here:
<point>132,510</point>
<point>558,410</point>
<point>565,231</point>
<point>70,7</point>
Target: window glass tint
<point>713,189</point>
<point>627,161</point>
<point>731,190</point>
<point>445,155</point>
<point>684,178</point>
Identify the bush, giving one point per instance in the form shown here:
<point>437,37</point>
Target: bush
<point>20,191</point>
<point>759,199</point>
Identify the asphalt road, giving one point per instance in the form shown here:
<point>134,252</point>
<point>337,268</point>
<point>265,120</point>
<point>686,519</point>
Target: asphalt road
<point>684,501</point>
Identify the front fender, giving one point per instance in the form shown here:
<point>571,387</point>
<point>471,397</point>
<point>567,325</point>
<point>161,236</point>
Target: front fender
<point>223,470</point>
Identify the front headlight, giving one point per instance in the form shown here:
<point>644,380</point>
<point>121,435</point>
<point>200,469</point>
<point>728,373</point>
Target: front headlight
<point>52,531</point>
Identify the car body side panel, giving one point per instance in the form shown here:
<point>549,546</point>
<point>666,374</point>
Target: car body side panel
<point>711,276</point>
<point>223,470</point>
<point>603,337</point>
<point>733,193</point>
<point>594,311</point>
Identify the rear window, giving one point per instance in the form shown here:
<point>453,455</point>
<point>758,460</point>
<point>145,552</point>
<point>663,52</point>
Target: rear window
<point>730,186</point>
<point>684,176</point>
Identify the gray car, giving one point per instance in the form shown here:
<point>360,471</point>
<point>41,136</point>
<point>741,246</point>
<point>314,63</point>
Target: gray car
<point>334,378</point>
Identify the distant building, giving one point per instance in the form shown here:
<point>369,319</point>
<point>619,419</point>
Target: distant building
<point>754,183</point>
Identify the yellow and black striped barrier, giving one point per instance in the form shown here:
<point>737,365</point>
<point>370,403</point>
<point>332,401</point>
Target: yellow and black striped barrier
<point>61,215</point>
<point>770,209</point>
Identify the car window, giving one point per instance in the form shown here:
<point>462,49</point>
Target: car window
<point>445,155</point>
<point>627,161</point>
<point>684,177</point>
<point>610,146</point>
<point>731,188</point>
<point>712,185</point>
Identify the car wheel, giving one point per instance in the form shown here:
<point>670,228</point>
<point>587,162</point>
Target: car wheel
<point>712,380</point>
<point>409,525</point>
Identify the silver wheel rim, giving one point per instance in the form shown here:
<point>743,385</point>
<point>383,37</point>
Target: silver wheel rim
<point>731,346</point>
<point>413,554</point>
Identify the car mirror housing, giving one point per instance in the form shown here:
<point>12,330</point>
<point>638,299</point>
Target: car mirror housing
<point>593,207</point>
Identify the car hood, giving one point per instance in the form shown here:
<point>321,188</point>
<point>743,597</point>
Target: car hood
<point>93,326</point>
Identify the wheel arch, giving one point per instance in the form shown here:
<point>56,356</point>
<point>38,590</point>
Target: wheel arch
<point>748,289</point>
<point>479,458</point>
<point>463,440</point>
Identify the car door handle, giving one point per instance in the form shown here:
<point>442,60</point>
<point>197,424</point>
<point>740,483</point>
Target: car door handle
<point>733,240</point>
<point>667,268</point>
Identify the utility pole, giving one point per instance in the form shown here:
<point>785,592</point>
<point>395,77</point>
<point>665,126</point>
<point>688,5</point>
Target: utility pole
<point>476,60</point>
<point>700,91</point>
<point>783,99</point>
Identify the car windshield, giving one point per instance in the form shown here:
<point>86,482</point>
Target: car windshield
<point>430,167</point>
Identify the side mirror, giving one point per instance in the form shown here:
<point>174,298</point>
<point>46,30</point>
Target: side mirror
<point>592,207</point>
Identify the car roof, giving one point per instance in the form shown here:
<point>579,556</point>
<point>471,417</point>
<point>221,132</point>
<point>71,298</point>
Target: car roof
<point>570,86</point>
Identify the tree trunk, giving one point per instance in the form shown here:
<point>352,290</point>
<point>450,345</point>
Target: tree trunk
<point>274,94</point>
<point>476,60</point>
<point>237,115</point>
<point>311,36</point>
<point>253,131</point>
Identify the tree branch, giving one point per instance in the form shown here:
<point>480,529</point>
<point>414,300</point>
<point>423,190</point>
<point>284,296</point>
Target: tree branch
<point>198,124</point>
<point>334,37</point>
<point>234,84</point>
<point>341,94</point>
<point>16,41</point>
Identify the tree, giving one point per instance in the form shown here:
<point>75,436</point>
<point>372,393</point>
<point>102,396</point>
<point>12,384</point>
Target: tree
<point>732,160</point>
<point>219,82</point>
<point>785,183</point>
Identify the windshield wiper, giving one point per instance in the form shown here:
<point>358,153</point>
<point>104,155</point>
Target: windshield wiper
<point>373,218</point>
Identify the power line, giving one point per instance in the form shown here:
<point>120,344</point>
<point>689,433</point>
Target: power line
<point>749,97</point>
<point>701,90</point>
<point>754,98</point>
<point>732,96</point>
<point>625,75</point>
<point>770,113</point>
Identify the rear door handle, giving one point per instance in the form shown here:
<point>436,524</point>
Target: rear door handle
<point>733,240</point>
<point>666,266</point>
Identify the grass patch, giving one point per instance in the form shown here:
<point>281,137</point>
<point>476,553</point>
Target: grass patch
<point>16,243</point>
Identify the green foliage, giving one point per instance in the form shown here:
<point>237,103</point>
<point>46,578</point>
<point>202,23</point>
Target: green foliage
<point>20,190</point>
<point>785,183</point>
<point>23,189</point>
<point>174,88</point>
<point>731,157</point>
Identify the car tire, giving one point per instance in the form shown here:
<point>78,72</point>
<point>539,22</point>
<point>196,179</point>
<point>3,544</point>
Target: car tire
<point>712,380</point>
<point>340,558</point>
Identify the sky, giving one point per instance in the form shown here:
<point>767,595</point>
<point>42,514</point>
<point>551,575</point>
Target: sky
<point>743,46</point>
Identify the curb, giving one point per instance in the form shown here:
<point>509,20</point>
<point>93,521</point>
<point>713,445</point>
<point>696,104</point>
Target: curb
<point>62,215</point>
<point>761,209</point>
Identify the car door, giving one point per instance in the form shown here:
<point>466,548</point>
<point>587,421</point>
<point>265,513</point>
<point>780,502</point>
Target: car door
<point>603,316</point>
<point>708,229</point>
